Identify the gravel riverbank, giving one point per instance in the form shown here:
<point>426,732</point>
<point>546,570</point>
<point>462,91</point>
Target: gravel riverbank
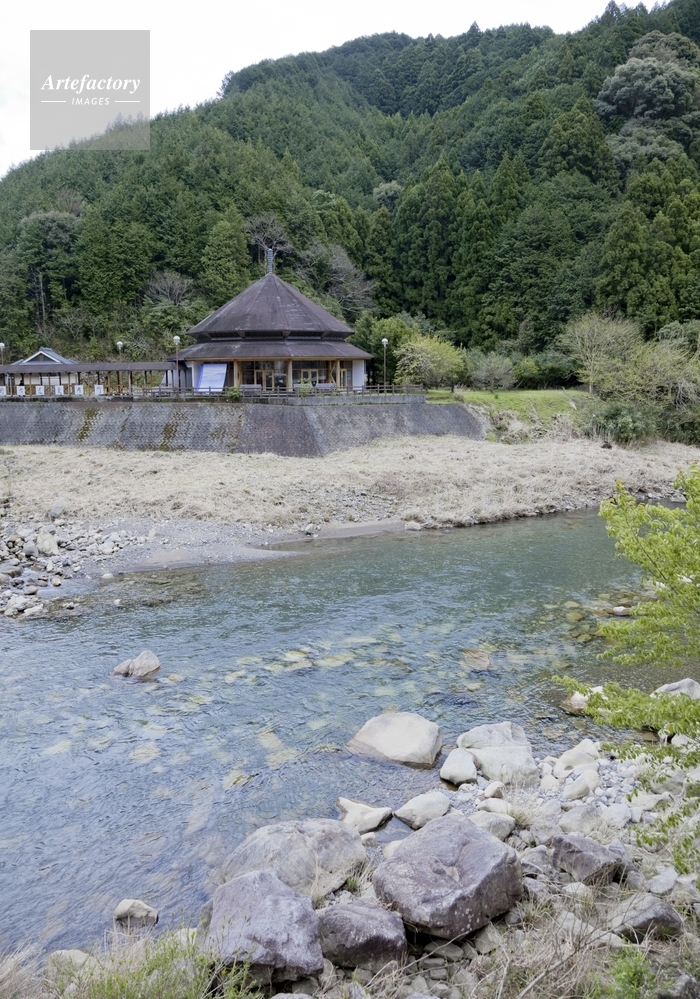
<point>164,509</point>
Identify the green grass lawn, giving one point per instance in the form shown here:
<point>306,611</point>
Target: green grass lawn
<point>534,407</point>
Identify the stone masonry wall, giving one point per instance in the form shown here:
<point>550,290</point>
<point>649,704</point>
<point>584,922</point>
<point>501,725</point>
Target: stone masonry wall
<point>296,431</point>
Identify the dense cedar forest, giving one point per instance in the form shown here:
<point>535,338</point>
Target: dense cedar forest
<point>494,186</point>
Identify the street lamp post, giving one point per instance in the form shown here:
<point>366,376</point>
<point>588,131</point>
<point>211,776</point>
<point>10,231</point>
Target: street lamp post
<point>176,341</point>
<point>385,343</point>
<point>120,347</point>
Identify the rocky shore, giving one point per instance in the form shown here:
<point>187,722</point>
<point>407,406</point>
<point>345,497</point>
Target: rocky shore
<point>518,875</point>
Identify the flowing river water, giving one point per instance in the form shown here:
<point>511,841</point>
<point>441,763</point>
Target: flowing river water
<point>111,789</point>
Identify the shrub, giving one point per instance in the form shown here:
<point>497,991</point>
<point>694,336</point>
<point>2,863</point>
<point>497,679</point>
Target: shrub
<point>621,422</point>
<point>430,362</point>
<point>494,371</point>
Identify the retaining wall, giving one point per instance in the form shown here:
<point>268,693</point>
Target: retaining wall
<point>297,431</point>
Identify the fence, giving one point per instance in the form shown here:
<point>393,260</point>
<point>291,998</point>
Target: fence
<point>368,395</point>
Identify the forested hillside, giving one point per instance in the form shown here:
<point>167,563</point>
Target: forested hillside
<point>493,186</point>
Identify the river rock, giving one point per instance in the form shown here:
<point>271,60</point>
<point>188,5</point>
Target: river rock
<point>584,859</point>
<point>536,863</point>
<point>64,966</point>
<point>664,882</point>
<point>689,687</point>
<point>582,819</point>
<point>400,736</point>
<point>572,759</point>
<point>259,919</point>
<point>450,878</point>
<point>424,807</point>
<point>47,544</point>
<point>363,818</point>
<point>502,752</point>
<point>685,987</point>
<point>135,913</point>
<point>361,934</point>
<point>642,914</point>
<point>584,785</point>
<point>459,767</point>
<point>500,826</point>
<point>313,857</point>
<point>617,816</point>
<point>144,665</point>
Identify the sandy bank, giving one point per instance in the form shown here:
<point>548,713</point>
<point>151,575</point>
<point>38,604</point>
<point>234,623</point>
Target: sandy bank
<point>216,501</point>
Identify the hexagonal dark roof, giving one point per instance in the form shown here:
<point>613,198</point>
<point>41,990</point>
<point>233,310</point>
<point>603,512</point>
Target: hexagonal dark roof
<point>270,307</point>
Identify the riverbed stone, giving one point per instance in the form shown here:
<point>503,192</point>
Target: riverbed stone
<point>144,665</point>
<point>47,544</point>
<point>450,878</point>
<point>572,759</point>
<point>691,688</point>
<point>664,882</point>
<point>399,736</point>
<point>584,859</point>
<point>132,912</point>
<point>313,857</point>
<point>498,825</point>
<point>459,767</point>
<point>587,782</point>
<point>685,987</point>
<point>363,818</point>
<point>644,914</point>
<point>502,752</point>
<point>62,964</point>
<point>361,934</point>
<point>617,815</point>
<point>424,807</point>
<point>256,918</point>
<point>581,819</point>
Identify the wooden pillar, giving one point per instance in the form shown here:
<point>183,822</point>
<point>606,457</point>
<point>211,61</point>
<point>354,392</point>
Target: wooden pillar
<point>290,376</point>
<point>236,374</point>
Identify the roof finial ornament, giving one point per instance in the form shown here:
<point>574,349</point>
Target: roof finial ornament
<point>269,261</point>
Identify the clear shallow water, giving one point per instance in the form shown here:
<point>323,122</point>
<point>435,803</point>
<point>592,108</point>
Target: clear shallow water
<point>110,789</point>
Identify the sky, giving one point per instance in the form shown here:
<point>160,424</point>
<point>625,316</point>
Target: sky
<point>194,46</point>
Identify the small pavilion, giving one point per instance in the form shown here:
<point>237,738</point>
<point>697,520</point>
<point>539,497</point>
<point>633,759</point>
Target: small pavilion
<point>271,338</point>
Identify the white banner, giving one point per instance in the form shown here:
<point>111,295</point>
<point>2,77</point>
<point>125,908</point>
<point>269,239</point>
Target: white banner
<point>211,378</point>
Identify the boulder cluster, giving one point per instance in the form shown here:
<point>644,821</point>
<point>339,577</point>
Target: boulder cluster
<point>323,906</point>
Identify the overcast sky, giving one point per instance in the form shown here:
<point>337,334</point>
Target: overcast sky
<point>193,46</point>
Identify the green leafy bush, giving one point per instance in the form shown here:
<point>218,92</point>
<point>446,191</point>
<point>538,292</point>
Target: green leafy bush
<point>621,422</point>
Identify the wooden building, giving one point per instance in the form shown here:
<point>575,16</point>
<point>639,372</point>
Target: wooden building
<point>271,338</point>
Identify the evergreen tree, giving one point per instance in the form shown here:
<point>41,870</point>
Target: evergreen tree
<point>576,141</point>
<point>225,268</point>
<point>623,282</point>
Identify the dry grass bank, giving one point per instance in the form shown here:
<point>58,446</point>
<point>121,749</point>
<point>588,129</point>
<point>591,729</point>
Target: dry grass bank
<point>443,480</point>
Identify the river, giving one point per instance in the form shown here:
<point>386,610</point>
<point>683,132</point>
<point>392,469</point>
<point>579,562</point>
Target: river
<point>113,789</point>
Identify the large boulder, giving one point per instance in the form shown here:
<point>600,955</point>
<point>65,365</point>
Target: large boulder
<point>314,857</point>
<point>257,919</point>
<point>361,934</point>
<point>502,752</point>
<point>450,878</point>
<point>584,859</point>
<point>132,912</point>
<point>423,808</point>
<point>691,688</point>
<point>401,736</point>
<point>644,914</point>
<point>144,665</point>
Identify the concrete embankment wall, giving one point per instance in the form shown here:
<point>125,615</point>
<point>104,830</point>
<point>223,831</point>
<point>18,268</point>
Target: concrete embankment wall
<point>252,428</point>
